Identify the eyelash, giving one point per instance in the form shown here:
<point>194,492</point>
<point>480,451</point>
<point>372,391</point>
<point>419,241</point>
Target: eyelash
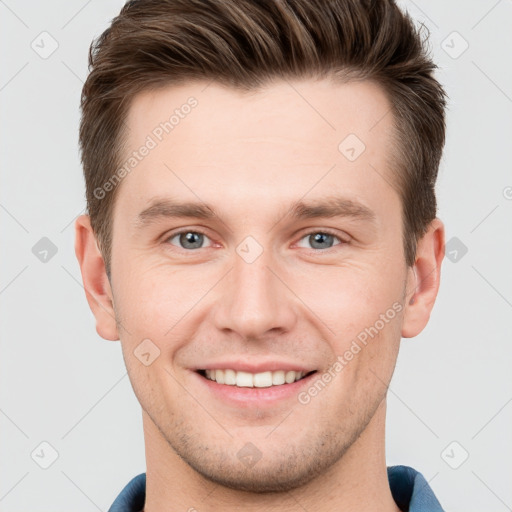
<point>316,231</point>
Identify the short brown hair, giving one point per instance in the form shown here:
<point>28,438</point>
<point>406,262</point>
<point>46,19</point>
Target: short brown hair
<point>247,43</point>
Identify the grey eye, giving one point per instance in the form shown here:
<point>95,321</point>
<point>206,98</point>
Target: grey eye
<point>189,239</point>
<point>320,240</point>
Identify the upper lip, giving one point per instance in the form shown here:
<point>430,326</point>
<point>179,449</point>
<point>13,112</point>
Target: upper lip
<point>253,367</point>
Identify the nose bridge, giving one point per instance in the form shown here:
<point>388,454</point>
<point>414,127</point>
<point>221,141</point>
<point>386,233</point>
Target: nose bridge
<point>254,300</point>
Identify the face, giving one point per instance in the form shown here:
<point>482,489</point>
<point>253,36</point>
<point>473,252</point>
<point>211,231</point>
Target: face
<point>291,261</point>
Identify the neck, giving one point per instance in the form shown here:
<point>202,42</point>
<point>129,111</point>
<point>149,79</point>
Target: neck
<point>358,481</point>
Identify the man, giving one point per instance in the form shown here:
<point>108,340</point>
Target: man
<point>261,232</point>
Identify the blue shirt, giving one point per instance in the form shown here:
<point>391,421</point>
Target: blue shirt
<point>409,489</point>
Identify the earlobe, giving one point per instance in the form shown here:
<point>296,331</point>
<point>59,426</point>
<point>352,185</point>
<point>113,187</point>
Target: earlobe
<point>423,281</point>
<point>95,280</point>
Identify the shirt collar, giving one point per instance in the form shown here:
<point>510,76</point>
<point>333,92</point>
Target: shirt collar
<point>411,491</point>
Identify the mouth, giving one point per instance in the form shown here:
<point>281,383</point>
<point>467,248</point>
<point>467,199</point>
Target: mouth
<point>242,379</point>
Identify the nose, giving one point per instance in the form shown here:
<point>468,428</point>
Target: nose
<point>255,299</point>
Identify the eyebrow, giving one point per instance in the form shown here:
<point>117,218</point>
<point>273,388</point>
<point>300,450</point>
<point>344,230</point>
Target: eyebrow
<point>328,207</point>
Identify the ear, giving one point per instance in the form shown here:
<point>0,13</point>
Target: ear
<point>97,287</point>
<point>423,280</point>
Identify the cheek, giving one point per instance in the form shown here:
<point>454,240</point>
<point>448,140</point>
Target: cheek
<point>154,299</point>
<point>363,310</point>
<point>147,381</point>
<point>349,298</point>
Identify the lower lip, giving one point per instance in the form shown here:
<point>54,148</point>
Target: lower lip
<point>254,397</point>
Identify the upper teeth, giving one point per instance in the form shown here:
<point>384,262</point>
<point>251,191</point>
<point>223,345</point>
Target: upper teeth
<point>250,380</point>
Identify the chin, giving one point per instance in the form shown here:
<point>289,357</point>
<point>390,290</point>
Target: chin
<point>267,479</point>
<point>271,470</point>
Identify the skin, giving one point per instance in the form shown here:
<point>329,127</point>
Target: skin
<point>250,156</point>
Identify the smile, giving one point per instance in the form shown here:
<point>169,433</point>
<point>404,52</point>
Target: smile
<point>253,380</point>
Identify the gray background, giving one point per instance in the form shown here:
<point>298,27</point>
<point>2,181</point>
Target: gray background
<point>450,397</point>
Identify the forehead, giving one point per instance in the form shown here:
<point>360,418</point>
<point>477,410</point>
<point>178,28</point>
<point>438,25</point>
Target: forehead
<point>226,147</point>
